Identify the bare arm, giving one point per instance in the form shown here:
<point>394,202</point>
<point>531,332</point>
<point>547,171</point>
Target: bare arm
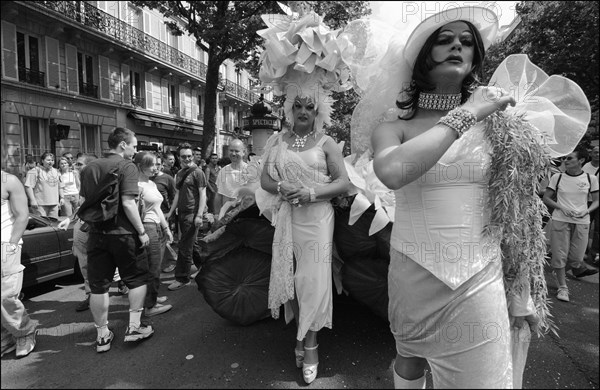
<point>398,163</point>
<point>548,194</point>
<point>18,206</point>
<point>131,210</point>
<point>339,177</point>
<point>173,205</point>
<point>31,196</point>
<point>594,204</point>
<point>201,204</point>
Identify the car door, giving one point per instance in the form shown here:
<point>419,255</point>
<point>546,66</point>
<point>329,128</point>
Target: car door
<point>65,243</point>
<point>41,251</point>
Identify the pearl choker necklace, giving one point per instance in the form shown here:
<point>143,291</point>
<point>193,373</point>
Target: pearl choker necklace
<point>300,141</point>
<point>439,102</point>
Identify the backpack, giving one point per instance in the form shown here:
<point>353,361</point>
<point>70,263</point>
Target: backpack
<point>103,207</point>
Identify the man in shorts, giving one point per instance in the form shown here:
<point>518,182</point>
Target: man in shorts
<point>117,243</point>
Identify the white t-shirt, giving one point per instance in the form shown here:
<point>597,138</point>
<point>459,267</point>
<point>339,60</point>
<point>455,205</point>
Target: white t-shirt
<point>152,200</point>
<point>573,193</point>
<point>589,168</point>
<point>68,183</point>
<point>229,179</point>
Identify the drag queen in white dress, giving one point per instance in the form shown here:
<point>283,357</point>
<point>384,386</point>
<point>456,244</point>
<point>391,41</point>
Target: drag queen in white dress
<point>451,305</point>
<point>303,170</point>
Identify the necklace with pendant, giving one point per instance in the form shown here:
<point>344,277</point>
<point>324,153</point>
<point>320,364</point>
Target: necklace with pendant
<point>300,141</point>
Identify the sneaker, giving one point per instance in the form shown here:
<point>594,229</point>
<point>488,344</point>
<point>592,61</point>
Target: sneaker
<point>585,272</point>
<point>563,294</point>
<point>162,299</point>
<point>103,344</point>
<point>9,348</point>
<point>83,305</point>
<point>25,344</point>
<point>122,288</point>
<point>157,309</point>
<point>176,285</point>
<point>169,268</point>
<point>135,333</point>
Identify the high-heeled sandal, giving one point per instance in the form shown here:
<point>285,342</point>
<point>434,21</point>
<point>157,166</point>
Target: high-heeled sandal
<point>309,371</point>
<point>299,357</point>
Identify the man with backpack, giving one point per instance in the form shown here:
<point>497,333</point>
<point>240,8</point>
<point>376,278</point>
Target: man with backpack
<point>116,237</point>
<point>571,218</point>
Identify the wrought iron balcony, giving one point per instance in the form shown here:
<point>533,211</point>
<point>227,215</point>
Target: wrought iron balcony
<point>30,76</point>
<point>134,39</point>
<point>240,92</point>
<point>100,21</point>
<point>88,90</point>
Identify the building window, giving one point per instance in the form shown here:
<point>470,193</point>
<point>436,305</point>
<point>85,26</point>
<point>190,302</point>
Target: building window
<point>85,72</point>
<point>200,108</point>
<point>137,99</point>
<point>226,124</point>
<point>34,139</point>
<point>28,57</point>
<point>173,100</point>
<point>90,140</point>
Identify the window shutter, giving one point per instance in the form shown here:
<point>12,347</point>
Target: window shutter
<point>183,109</point>
<point>126,83</point>
<point>146,23</point>
<point>163,32</point>
<point>149,87</point>
<point>9,51</point>
<point>52,64</point>
<point>71,60</point>
<point>104,77</point>
<point>194,104</point>
<point>123,12</point>
<point>165,95</point>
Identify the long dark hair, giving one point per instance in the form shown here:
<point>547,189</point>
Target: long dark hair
<point>425,63</point>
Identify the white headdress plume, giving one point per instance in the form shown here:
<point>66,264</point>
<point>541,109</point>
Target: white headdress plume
<point>304,58</point>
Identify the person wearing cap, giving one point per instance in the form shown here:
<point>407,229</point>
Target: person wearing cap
<point>420,113</point>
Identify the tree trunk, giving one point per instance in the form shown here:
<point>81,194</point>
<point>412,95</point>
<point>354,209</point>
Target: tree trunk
<point>210,104</point>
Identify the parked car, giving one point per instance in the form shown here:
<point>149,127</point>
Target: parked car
<point>47,250</point>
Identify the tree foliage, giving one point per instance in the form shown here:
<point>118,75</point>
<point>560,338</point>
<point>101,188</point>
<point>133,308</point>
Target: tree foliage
<point>561,37</point>
<point>227,30</point>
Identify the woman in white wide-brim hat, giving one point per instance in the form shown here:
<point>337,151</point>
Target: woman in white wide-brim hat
<point>421,116</point>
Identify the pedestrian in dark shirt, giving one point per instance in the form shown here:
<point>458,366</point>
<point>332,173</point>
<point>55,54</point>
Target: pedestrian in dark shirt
<point>190,203</point>
<point>118,243</point>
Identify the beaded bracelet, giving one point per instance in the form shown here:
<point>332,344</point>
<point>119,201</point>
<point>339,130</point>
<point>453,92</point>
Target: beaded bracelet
<point>312,197</point>
<point>459,120</point>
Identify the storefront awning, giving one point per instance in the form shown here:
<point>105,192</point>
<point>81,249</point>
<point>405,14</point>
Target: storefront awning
<point>148,118</point>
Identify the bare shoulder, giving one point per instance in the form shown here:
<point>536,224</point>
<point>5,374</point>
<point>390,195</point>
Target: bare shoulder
<point>10,183</point>
<point>330,145</point>
<point>9,179</point>
<point>389,134</point>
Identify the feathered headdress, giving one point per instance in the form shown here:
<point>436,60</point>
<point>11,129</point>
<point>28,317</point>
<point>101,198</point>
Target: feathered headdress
<point>304,58</point>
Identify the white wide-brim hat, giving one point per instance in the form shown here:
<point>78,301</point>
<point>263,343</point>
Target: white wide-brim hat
<point>484,19</point>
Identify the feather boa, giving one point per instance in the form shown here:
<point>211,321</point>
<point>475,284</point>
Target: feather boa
<point>518,161</point>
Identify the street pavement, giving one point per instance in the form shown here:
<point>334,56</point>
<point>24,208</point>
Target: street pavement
<point>193,347</point>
